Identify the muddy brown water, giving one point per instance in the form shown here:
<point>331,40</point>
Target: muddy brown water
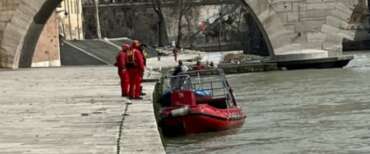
<point>302,111</point>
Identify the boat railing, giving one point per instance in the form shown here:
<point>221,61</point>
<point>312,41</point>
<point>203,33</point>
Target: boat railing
<point>211,82</point>
<point>213,87</point>
<point>205,72</point>
<point>216,89</point>
<point>180,82</point>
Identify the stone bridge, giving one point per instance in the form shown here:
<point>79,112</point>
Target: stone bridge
<point>293,29</point>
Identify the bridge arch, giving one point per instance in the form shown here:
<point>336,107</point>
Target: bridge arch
<point>282,24</point>
<point>25,21</point>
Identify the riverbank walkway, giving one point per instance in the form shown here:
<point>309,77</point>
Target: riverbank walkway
<point>73,110</point>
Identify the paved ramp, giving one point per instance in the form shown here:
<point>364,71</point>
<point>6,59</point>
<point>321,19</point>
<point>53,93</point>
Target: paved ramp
<point>72,56</point>
<point>94,52</point>
<point>86,50</point>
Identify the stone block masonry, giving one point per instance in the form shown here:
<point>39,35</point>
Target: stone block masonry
<point>17,16</point>
<point>306,20</point>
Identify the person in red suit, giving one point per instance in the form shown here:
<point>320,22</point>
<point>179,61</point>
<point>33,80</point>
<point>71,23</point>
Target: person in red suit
<point>122,71</point>
<point>138,46</point>
<point>199,66</point>
<point>135,67</point>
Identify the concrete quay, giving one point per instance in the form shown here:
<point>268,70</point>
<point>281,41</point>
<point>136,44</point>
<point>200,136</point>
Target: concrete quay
<point>73,110</point>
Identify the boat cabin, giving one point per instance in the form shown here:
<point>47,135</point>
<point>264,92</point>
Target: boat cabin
<point>198,87</point>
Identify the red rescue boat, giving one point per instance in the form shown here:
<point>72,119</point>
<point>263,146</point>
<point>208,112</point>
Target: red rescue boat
<point>199,101</point>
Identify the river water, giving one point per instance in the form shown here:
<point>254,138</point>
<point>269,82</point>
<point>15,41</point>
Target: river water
<point>302,111</point>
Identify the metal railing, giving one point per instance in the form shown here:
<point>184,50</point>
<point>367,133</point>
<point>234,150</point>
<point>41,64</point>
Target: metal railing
<point>204,82</point>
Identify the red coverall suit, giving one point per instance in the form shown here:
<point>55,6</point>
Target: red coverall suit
<point>136,45</point>
<point>135,72</point>
<point>122,71</point>
<point>199,67</point>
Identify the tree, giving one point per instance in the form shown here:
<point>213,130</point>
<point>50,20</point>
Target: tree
<point>98,28</point>
<point>162,30</point>
<point>183,9</point>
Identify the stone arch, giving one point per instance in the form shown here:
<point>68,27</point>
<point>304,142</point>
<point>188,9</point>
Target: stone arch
<point>301,30</point>
<point>266,20</point>
<point>19,48</point>
<point>26,20</point>
<point>286,33</point>
<point>260,28</point>
<point>34,31</point>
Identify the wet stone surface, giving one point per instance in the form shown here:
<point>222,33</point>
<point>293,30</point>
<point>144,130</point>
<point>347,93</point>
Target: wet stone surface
<point>67,110</point>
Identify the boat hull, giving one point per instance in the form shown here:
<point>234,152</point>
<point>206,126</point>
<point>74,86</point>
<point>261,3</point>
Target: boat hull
<point>205,121</point>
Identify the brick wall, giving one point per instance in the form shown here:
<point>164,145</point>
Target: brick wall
<point>7,8</point>
<point>47,51</point>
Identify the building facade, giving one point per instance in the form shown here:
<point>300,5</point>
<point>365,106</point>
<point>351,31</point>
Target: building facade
<point>71,19</point>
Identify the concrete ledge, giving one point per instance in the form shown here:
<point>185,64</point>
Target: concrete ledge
<point>140,131</point>
<point>51,63</point>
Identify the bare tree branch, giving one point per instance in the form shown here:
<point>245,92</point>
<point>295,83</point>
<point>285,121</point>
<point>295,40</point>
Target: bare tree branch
<point>162,30</point>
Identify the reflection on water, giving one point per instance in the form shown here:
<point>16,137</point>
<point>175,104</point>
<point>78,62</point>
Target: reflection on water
<point>303,111</point>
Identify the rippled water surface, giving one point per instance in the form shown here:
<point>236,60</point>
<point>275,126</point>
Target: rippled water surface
<point>303,111</point>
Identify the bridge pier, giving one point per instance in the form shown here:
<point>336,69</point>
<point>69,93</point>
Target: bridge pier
<point>301,30</point>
